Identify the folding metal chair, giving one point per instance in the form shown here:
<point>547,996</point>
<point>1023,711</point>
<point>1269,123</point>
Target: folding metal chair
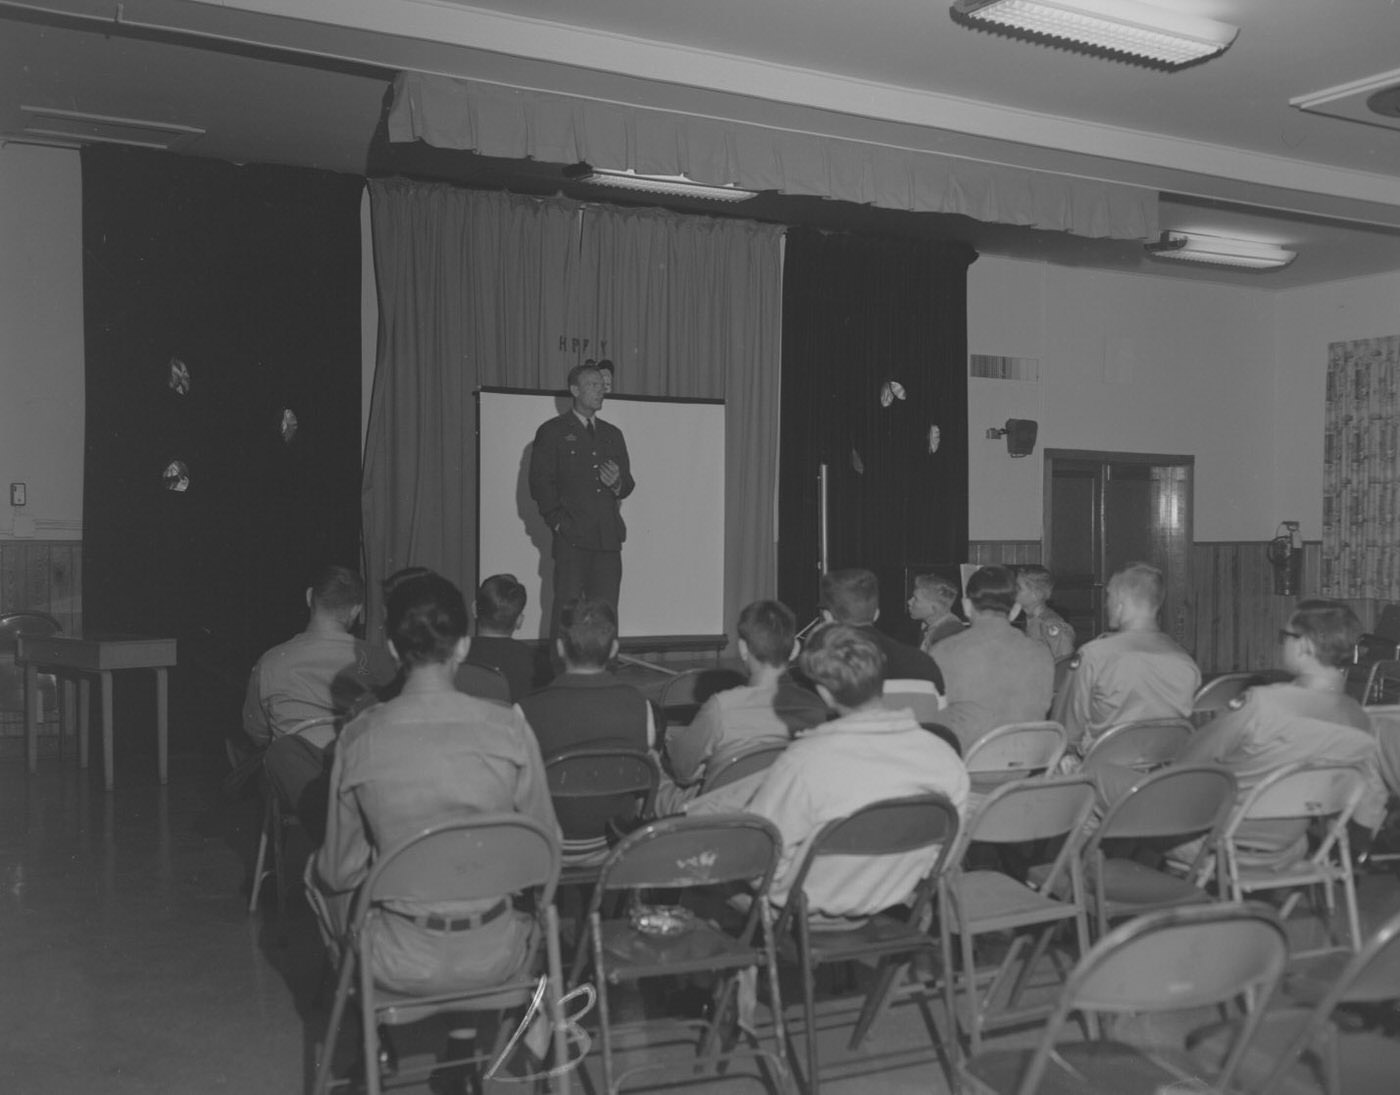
<point>277,819</point>
<point>1014,751</point>
<point>1143,745</point>
<point>1172,960</point>
<point>1385,847</point>
<point>691,853</point>
<point>973,902</point>
<point>490,855</point>
<point>1215,695</point>
<point>891,827</point>
<point>740,764</point>
<point>1169,806</point>
<point>594,789</point>
<point>1382,683</point>
<point>12,686</point>
<point>1326,794</point>
<point>1298,1050</point>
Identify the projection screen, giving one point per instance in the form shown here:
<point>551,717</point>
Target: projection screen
<point>673,560</point>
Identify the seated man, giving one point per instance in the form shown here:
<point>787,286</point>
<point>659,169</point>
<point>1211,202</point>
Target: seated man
<point>866,754</point>
<point>1132,674</point>
<point>852,597</point>
<point>427,756</point>
<point>995,675</point>
<point>931,606</point>
<point>771,707</point>
<point>499,603</point>
<point>321,674</point>
<point>1034,584</point>
<point>1311,718</point>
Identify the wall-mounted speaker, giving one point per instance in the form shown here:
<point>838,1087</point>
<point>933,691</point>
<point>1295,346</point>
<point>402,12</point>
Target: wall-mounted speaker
<point>1020,436</point>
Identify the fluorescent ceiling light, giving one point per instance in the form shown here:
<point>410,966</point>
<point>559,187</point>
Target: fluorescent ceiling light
<point>1220,251</point>
<point>1123,26</point>
<point>672,185</point>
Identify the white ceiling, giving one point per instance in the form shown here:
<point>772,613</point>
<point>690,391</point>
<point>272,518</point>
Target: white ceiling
<point>1218,139</point>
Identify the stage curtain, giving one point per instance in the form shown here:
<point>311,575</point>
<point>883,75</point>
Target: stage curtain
<point>860,313</point>
<point>483,288</point>
<point>514,123</point>
<point>1361,471</point>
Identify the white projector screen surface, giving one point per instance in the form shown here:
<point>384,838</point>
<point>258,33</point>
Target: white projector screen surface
<point>673,560</point>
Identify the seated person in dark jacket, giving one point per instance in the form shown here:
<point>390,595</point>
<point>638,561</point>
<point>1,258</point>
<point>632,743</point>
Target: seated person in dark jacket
<point>772,707</point>
<point>499,603</point>
<point>853,597</point>
<point>586,707</point>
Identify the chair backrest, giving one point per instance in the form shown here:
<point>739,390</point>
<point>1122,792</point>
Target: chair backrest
<point>591,787</point>
<point>1383,683</point>
<point>1215,695</point>
<point>1175,801</point>
<point>1144,745</point>
<point>908,686</point>
<point>1032,809</point>
<point>1181,958</point>
<point>743,762</point>
<point>489,855</point>
<point>1305,789</point>
<point>1017,749</point>
<point>15,624</point>
<point>682,852</point>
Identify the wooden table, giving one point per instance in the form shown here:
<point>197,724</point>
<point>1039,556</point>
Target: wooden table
<point>102,655</point>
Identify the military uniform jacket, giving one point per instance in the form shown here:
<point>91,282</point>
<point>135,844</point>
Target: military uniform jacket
<point>565,485</point>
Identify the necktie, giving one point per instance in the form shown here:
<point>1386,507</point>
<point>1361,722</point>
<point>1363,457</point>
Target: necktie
<point>592,433</point>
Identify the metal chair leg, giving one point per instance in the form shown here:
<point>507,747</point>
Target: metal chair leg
<point>809,1004</point>
<point>342,995</point>
<point>259,873</point>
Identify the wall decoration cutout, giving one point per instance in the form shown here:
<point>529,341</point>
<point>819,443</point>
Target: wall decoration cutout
<point>935,438</point>
<point>289,425</point>
<point>179,377</point>
<point>891,390</point>
<point>176,476</point>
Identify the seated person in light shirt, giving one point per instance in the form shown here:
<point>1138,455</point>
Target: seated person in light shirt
<point>1133,673</point>
<point>867,754</point>
<point>432,754</point>
<point>771,707</point>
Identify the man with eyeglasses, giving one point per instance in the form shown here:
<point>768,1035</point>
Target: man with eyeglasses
<point>1310,718</point>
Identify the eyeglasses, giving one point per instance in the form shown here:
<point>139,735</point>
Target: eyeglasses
<point>1284,634</point>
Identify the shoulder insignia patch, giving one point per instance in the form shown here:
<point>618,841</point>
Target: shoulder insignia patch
<point>1238,701</point>
<point>1074,661</point>
<point>1053,629</point>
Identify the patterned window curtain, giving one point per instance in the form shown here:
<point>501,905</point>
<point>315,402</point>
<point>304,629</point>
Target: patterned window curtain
<point>1361,478</point>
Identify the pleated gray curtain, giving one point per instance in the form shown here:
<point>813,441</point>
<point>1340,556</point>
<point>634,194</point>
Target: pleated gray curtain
<point>479,288</point>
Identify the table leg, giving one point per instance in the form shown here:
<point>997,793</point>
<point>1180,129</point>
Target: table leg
<point>162,721</point>
<point>31,715</point>
<point>70,711</point>
<point>84,720</point>
<point>106,676</point>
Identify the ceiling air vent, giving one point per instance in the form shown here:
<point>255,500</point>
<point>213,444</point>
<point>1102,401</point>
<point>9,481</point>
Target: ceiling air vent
<point>1374,100</point>
<point>71,128</point>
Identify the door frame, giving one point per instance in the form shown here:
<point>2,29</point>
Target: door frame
<point>1176,610</point>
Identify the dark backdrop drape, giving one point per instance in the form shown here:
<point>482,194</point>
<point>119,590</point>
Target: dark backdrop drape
<point>251,276</point>
<point>857,312</point>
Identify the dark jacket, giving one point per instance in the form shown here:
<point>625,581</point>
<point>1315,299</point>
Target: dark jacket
<point>564,481</point>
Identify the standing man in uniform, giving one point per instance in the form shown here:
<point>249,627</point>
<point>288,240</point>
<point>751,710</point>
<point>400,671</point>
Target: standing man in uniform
<point>579,474</point>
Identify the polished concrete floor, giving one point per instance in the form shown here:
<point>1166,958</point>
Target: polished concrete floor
<point>129,962</point>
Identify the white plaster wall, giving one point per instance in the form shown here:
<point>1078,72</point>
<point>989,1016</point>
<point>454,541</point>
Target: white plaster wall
<point>1305,321</point>
<point>1127,364</point>
<point>41,341</point>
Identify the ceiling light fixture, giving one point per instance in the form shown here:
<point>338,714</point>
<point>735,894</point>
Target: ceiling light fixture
<point>676,186</point>
<point>1121,26</point>
<point>1220,251</point>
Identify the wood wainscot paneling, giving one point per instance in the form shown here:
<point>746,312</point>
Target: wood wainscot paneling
<point>1003,552</point>
<point>39,576</point>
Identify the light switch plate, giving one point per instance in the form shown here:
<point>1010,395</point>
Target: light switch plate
<point>17,494</point>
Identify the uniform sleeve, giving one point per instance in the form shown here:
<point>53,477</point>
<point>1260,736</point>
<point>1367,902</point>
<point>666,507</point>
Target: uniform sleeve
<point>344,858</point>
<point>626,484</point>
<point>1079,704</point>
<point>689,747</point>
<point>255,720</point>
<point>544,475</point>
<point>1061,643</point>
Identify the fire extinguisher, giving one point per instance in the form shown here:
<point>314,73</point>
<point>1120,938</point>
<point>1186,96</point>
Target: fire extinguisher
<point>1286,557</point>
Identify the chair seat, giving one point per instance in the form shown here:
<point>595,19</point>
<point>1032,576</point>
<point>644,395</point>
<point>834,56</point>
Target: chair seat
<point>1299,874</point>
<point>397,1008</point>
<point>993,901</point>
<point>1095,1068</point>
<point>703,947</point>
<point>1128,885</point>
<point>880,933</point>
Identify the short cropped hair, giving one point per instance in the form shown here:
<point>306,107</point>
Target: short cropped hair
<point>588,628</point>
<point>768,629</point>
<point>943,591</point>
<point>851,596</point>
<point>338,590</point>
<point>992,589</point>
<point>1332,628</point>
<point>605,365</point>
<point>1036,578</point>
<point>1140,582</point>
<point>846,663</point>
<point>578,370</point>
<point>499,602</point>
<point>426,619</point>
<point>397,579</point>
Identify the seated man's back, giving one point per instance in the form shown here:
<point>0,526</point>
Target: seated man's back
<point>1127,677</point>
<point>499,603</point>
